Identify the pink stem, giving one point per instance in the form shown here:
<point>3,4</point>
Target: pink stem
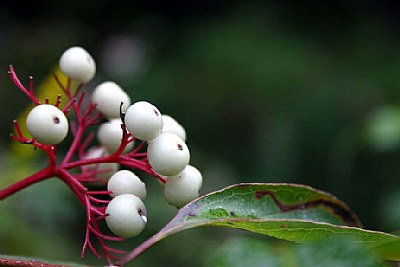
<point>31,85</point>
<point>58,101</point>
<point>138,148</point>
<point>27,263</point>
<point>77,188</point>
<point>105,237</point>
<point>99,192</point>
<point>70,103</point>
<point>17,82</point>
<point>95,208</point>
<point>117,251</point>
<point>75,144</point>
<point>59,83</point>
<point>80,99</point>
<point>85,144</point>
<point>100,201</point>
<point>28,181</point>
<point>140,249</point>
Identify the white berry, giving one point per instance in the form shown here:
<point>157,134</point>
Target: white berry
<point>47,124</point>
<point>126,182</point>
<point>143,120</point>
<point>109,135</point>
<point>168,154</point>
<point>127,215</point>
<point>183,187</point>
<point>172,126</point>
<point>102,170</point>
<point>108,97</point>
<point>78,64</point>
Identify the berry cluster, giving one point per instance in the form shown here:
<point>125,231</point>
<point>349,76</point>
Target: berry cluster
<point>135,136</point>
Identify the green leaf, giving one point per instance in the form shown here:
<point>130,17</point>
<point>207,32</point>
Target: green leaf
<point>331,252</point>
<point>287,211</point>
<point>334,252</point>
<point>239,252</point>
<point>389,251</point>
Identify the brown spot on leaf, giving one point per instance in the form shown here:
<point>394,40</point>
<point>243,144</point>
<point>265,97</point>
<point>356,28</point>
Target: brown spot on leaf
<point>260,194</point>
<point>339,210</point>
<point>140,211</point>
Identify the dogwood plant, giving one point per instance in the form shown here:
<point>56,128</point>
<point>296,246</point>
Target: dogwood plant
<point>135,140</point>
<point>139,137</point>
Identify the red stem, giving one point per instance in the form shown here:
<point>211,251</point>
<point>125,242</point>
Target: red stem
<point>95,208</point>
<point>67,106</point>
<point>28,263</point>
<point>16,81</point>
<point>75,144</point>
<point>28,181</point>
<point>140,249</point>
<point>31,85</point>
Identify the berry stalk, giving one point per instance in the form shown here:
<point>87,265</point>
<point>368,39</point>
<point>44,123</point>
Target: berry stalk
<point>137,137</point>
<point>24,183</point>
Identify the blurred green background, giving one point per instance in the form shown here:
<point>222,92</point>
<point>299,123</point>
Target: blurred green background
<point>268,91</point>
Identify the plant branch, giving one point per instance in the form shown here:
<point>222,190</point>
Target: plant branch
<point>30,94</point>
<point>29,263</point>
<point>28,181</point>
<point>141,248</point>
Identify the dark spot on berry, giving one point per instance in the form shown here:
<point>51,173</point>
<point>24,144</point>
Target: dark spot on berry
<point>103,120</point>
<point>56,120</point>
<point>180,147</point>
<point>121,113</point>
<point>156,112</point>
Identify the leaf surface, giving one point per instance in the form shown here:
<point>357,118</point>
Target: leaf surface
<point>286,211</point>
